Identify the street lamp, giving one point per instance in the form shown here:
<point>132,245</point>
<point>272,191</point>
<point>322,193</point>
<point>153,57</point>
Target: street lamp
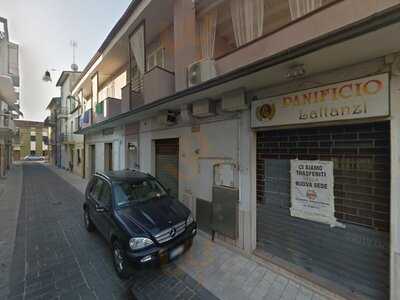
<point>47,76</point>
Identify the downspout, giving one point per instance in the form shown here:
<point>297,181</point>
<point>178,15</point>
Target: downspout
<point>84,157</point>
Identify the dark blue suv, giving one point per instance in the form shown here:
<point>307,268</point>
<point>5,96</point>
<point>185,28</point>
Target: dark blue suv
<point>143,223</point>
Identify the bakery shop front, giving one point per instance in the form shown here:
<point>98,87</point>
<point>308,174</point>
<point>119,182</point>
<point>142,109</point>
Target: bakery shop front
<point>323,182</point>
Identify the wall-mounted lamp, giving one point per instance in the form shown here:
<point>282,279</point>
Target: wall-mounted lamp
<point>47,76</point>
<point>296,71</point>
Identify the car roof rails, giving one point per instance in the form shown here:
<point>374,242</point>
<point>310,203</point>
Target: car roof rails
<point>101,174</point>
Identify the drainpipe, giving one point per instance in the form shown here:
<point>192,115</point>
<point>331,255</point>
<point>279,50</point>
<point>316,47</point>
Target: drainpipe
<point>84,157</point>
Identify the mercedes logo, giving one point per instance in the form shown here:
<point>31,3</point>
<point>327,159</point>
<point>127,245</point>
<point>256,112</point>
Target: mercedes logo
<point>172,232</point>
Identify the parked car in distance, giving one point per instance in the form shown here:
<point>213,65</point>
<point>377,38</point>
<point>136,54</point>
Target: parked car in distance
<point>143,223</point>
<point>34,158</point>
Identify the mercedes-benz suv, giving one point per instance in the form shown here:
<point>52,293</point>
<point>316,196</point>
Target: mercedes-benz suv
<point>143,223</point>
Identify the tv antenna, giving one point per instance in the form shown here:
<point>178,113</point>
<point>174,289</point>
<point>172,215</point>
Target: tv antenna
<point>74,45</point>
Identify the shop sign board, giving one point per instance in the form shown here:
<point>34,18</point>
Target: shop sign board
<point>311,190</point>
<point>355,99</point>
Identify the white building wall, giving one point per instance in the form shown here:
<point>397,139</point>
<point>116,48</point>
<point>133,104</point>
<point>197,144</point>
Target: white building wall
<point>212,142</point>
<point>99,139</point>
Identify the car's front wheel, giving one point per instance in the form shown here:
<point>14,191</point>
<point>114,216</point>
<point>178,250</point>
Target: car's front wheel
<point>88,222</point>
<point>120,261</point>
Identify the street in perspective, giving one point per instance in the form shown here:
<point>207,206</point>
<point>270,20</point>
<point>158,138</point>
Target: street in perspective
<point>200,149</point>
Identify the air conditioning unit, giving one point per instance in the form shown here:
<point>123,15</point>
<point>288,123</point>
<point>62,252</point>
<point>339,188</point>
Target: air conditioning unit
<point>204,108</point>
<point>201,71</point>
<point>234,101</point>
<point>167,118</point>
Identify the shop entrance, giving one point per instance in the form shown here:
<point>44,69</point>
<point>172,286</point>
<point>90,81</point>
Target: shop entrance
<point>357,256</point>
<point>167,162</point>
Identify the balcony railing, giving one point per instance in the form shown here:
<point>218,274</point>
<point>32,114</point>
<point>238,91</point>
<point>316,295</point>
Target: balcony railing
<point>158,83</point>
<point>62,112</point>
<point>106,109</point>
<point>6,123</point>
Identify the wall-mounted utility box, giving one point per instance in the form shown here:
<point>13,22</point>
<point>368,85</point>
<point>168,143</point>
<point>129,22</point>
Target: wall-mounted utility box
<point>225,211</point>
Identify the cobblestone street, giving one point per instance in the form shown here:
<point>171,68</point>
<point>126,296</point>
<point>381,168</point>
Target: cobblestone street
<point>54,256</point>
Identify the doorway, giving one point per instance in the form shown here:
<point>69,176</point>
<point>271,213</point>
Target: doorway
<point>92,159</point>
<point>167,164</point>
<point>108,157</point>
<point>132,156</point>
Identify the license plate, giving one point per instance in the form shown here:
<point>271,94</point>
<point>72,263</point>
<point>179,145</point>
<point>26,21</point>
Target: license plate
<point>177,251</point>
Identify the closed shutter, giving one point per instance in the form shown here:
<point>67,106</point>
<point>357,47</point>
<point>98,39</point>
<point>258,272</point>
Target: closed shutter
<point>167,162</point>
<point>356,256</point>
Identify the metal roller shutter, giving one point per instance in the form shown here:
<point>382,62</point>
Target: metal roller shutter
<point>357,256</point>
<point>167,161</point>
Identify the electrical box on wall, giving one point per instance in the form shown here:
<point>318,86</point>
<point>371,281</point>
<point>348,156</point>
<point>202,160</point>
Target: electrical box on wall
<point>167,118</point>
<point>234,101</point>
<point>204,108</point>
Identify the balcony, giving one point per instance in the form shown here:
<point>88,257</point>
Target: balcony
<point>158,83</point>
<point>286,24</point>
<point>130,99</point>
<point>50,121</point>
<point>7,125</point>
<point>70,138</point>
<point>62,112</point>
<point>106,109</point>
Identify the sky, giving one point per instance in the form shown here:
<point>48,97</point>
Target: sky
<point>44,30</point>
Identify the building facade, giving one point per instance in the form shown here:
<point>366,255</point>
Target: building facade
<point>278,128</point>
<point>70,144</point>
<point>9,84</point>
<point>52,123</point>
<point>32,139</point>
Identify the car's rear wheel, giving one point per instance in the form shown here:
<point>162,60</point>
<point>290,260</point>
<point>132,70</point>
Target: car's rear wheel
<point>120,261</point>
<point>88,222</point>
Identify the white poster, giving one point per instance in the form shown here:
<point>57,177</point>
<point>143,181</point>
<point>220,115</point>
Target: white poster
<point>312,191</point>
<point>355,99</point>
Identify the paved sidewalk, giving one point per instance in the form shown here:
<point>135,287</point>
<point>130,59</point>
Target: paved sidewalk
<point>10,198</point>
<point>221,270</point>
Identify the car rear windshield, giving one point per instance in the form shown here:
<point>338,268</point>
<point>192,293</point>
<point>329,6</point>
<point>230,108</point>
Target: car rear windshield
<point>127,193</point>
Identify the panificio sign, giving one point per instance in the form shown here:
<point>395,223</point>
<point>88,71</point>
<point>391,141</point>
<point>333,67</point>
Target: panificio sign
<point>360,98</point>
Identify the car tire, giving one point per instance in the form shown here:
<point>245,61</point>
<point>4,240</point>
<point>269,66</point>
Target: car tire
<point>88,222</point>
<point>120,261</point>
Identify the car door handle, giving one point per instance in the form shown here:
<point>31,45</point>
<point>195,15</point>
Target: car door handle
<point>100,208</point>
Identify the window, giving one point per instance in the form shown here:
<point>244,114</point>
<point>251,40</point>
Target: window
<point>127,193</point>
<point>96,189</point>
<point>33,138</point>
<point>105,199</point>
<point>33,153</point>
<point>156,58</point>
